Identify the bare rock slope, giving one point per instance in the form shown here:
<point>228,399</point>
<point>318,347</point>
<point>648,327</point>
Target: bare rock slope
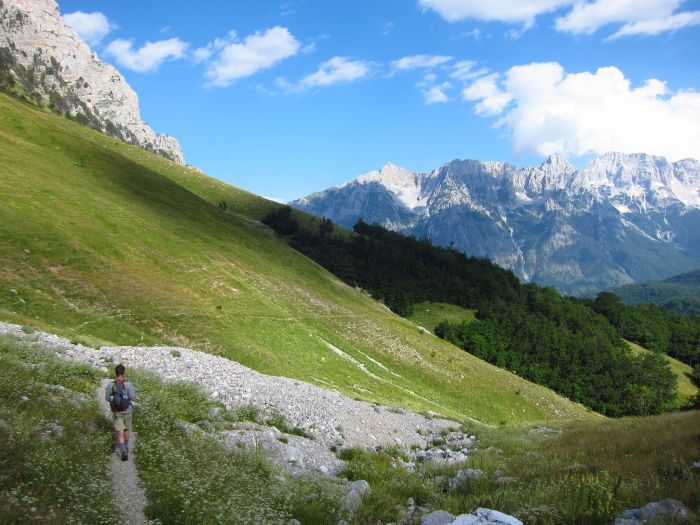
<point>42,53</point>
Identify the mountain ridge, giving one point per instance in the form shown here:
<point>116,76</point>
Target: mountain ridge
<point>530,219</point>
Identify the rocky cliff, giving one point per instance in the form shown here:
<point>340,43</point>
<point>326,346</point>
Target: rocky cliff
<point>45,59</point>
<point>621,219</point>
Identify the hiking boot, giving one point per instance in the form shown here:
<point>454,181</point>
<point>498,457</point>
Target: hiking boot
<point>125,455</point>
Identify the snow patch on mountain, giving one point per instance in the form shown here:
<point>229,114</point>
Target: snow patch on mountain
<point>406,186</point>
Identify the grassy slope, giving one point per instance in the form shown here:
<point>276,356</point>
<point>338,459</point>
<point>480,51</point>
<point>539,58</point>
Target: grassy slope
<point>429,315</point>
<point>686,388</point>
<point>102,241</point>
<point>53,465</point>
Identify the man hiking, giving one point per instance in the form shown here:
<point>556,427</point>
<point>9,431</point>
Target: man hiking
<point>120,394</point>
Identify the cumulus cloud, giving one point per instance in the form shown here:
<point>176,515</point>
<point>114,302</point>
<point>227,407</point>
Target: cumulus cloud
<point>549,112</point>
<point>147,58</point>
<point>259,51</point>
<point>91,27</point>
<point>492,99</point>
<point>419,62</point>
<point>638,17</point>
<point>514,11</point>
<point>202,54</point>
<point>336,70</point>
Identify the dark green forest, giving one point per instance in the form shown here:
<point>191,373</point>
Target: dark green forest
<point>563,344</point>
<point>394,268</point>
<point>571,345</point>
<point>653,327</point>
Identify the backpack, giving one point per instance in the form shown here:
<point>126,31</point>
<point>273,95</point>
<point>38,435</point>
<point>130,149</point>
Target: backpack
<point>120,397</point>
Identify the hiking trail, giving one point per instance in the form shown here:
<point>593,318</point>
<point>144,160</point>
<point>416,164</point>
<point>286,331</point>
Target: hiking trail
<point>129,497</point>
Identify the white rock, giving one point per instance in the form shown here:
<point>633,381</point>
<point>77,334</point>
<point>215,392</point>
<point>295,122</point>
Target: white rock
<point>35,27</point>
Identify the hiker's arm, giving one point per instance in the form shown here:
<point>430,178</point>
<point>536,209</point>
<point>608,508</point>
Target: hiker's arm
<point>133,393</point>
<point>108,392</point>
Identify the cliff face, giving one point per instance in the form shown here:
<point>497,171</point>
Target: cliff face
<point>54,66</point>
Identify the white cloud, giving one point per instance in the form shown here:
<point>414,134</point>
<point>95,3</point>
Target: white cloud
<point>648,17</point>
<point>514,11</point>
<point>637,16</point>
<point>91,27</point>
<point>464,71</point>
<point>335,70</point>
<point>147,58</point>
<point>259,51</point>
<point>549,111</point>
<point>419,62</point>
<point>202,54</point>
<point>654,27</point>
<point>434,93</point>
<point>492,99</point>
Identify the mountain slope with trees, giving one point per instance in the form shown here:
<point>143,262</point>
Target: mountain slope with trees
<point>556,341</point>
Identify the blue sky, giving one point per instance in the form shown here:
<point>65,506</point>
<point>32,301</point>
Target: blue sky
<point>288,97</point>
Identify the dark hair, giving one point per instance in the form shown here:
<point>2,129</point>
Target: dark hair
<point>120,369</point>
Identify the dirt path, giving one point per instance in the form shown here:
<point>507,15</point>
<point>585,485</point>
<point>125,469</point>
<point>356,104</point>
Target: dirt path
<point>128,495</point>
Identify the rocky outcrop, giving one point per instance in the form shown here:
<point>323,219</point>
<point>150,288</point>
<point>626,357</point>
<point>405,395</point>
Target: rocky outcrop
<point>480,516</point>
<point>621,219</point>
<point>48,61</point>
<point>665,511</point>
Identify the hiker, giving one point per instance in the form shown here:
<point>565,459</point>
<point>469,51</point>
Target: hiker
<point>120,394</point>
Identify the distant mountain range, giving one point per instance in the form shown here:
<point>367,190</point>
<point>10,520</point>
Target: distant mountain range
<point>623,218</point>
<point>680,293</point>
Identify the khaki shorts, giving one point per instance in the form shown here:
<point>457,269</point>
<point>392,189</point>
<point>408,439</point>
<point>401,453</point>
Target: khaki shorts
<point>122,421</point>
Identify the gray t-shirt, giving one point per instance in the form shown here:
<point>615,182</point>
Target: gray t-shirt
<point>130,390</point>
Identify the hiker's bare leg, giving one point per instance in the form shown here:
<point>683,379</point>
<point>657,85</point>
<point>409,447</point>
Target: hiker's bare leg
<point>120,437</point>
<point>126,436</point>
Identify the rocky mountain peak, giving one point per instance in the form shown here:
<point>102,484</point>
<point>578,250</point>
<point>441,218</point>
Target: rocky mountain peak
<point>641,180</point>
<point>54,66</point>
<point>557,165</point>
<point>402,183</point>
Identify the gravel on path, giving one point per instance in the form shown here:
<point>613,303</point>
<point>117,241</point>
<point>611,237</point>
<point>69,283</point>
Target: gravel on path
<point>332,419</point>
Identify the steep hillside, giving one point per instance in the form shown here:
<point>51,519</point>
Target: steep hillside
<point>102,241</point>
<point>680,293</point>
